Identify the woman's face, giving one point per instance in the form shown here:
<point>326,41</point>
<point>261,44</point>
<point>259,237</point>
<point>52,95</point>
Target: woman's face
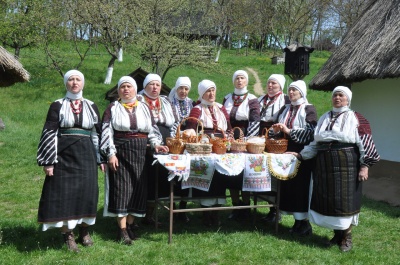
<point>126,91</point>
<point>273,87</point>
<point>294,94</point>
<point>182,92</point>
<point>240,82</point>
<point>209,95</point>
<point>339,99</point>
<point>153,88</point>
<point>74,84</point>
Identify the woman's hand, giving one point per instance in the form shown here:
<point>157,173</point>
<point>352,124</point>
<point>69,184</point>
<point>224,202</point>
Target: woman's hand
<point>113,163</point>
<point>297,155</point>
<point>103,167</point>
<point>280,127</point>
<point>48,170</point>
<point>161,149</point>
<point>363,173</point>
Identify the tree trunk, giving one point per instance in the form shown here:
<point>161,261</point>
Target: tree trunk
<point>110,69</point>
<point>120,52</point>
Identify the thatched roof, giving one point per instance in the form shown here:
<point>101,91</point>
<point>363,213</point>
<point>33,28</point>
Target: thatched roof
<point>370,49</point>
<point>11,70</point>
<point>139,75</point>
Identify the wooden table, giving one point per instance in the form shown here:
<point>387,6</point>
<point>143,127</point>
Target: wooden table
<point>284,173</point>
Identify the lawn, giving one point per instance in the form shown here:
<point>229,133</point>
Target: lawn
<point>23,110</point>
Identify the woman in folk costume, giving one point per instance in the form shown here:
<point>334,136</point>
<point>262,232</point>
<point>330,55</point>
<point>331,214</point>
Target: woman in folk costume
<point>127,128</point>
<point>183,105</point>
<point>69,153</point>
<point>165,117</point>
<point>297,120</point>
<point>244,112</point>
<point>270,104</point>
<point>344,151</point>
<point>179,97</point>
<point>214,118</point>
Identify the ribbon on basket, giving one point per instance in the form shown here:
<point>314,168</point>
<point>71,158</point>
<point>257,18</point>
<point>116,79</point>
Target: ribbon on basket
<point>178,165</point>
<point>256,176</point>
<point>230,164</point>
<point>283,166</point>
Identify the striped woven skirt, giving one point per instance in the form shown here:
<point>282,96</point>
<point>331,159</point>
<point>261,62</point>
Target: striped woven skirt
<point>336,188</point>
<point>72,192</point>
<point>126,189</point>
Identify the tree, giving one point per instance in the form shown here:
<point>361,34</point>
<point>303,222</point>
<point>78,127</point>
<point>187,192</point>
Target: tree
<point>114,23</point>
<point>20,28</point>
<point>174,34</point>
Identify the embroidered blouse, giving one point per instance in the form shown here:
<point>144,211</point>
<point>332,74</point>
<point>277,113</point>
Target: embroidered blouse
<point>348,127</point>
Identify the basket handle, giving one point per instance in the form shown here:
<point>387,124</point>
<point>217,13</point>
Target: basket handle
<point>198,122</point>
<point>241,134</point>
<point>267,135</point>
<point>223,132</point>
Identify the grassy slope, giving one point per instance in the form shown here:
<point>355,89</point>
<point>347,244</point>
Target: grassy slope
<point>23,109</point>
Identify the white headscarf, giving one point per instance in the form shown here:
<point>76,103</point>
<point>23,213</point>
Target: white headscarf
<point>244,89</point>
<point>130,80</point>
<point>346,91</point>
<point>278,78</point>
<point>181,81</point>
<point>67,76</point>
<point>204,86</point>
<point>148,79</point>
<point>301,86</point>
<point>151,77</point>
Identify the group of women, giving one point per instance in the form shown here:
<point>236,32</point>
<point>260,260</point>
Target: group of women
<point>74,140</point>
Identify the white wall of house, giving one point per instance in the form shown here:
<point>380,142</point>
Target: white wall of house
<point>379,102</point>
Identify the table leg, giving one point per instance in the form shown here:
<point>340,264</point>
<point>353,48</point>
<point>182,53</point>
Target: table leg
<point>171,211</point>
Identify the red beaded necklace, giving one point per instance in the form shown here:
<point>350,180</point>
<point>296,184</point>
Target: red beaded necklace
<point>76,106</point>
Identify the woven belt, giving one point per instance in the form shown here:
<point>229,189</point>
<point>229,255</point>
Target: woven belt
<point>120,134</point>
<point>74,131</point>
<point>334,146</point>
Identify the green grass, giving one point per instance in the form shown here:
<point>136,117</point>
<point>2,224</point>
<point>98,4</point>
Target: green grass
<point>23,110</point>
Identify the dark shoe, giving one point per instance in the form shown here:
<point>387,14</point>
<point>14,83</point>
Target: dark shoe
<point>132,235</point>
<point>295,227</point>
<point>150,221</point>
<point>69,240</point>
<point>271,217</point>
<point>84,236</point>
<point>305,228</point>
<point>346,244</point>
<point>336,239</point>
<point>123,237</point>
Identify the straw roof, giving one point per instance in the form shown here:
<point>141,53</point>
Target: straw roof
<point>370,49</point>
<point>11,70</point>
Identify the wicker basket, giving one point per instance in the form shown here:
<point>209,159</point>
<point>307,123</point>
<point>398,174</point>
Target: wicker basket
<point>219,144</point>
<point>238,145</point>
<point>275,146</point>
<point>198,148</point>
<point>256,147</point>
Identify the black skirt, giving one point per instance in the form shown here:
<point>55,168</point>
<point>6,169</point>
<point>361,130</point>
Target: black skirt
<point>127,188</point>
<point>72,192</point>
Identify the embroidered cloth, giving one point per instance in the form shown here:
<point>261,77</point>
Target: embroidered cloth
<point>283,166</point>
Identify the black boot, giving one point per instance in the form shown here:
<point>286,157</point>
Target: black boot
<point>206,220</point>
<point>346,244</point>
<point>270,218</point>
<point>123,237</point>
<point>305,228</point>
<point>295,227</point>
<point>69,240</point>
<point>84,236</point>
<point>336,239</point>
<point>215,218</point>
